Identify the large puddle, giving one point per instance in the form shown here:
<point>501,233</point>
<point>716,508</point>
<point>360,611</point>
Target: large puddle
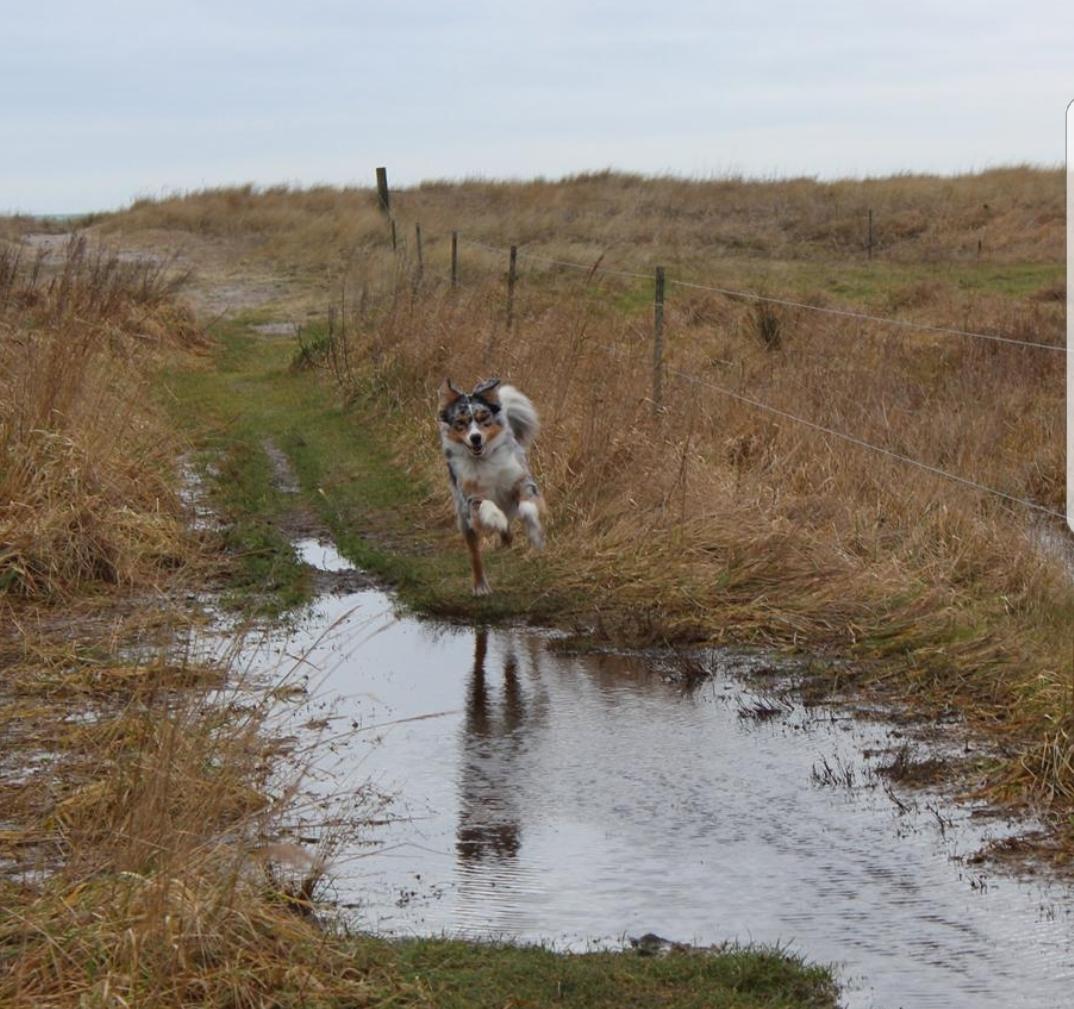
<point>580,800</point>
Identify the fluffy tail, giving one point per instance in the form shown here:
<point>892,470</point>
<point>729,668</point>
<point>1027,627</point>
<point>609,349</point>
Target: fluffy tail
<point>521,414</point>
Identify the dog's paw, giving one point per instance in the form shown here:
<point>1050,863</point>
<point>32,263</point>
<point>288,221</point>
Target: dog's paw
<point>530,516</point>
<point>482,588</point>
<point>491,518</point>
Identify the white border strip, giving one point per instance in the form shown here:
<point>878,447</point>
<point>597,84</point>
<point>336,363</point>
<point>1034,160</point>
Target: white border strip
<point>1070,316</point>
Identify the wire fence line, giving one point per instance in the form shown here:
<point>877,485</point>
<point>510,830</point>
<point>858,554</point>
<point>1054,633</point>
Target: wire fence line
<point>787,415</point>
<point>850,438</point>
<point>592,268</point>
<point>865,317</point>
<point>862,443</point>
<point>769,299</point>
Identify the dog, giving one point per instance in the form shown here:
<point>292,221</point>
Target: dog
<point>485,435</point>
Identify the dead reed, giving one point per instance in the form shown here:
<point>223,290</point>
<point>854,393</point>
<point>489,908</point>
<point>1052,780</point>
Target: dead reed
<point>87,465</point>
<point>143,860</point>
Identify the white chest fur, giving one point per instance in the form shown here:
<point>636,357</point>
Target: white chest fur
<point>494,475</point>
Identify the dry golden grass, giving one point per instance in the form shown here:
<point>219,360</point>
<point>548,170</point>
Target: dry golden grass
<point>717,520</point>
<point>140,862</point>
<point>1005,215</point>
<point>720,521</point>
<point>87,464</point>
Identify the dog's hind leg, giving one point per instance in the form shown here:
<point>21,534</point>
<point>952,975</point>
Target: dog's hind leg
<point>481,585</point>
<point>529,510</point>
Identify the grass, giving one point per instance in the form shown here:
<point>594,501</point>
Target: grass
<point>716,521</point>
<point>144,825</point>
<point>1015,213</point>
<point>457,977</point>
<point>145,859</point>
<point>269,578</point>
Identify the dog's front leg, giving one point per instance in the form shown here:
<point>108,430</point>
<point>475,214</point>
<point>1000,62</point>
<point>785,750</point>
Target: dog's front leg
<point>486,516</point>
<point>481,585</point>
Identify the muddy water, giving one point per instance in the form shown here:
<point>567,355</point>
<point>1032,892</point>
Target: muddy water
<point>577,801</point>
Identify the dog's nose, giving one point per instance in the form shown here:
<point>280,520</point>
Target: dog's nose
<point>475,439</point>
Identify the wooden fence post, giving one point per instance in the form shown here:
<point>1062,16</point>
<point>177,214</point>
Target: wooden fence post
<point>421,263</point>
<point>382,191</point>
<point>395,244</point>
<point>658,342</point>
<point>512,274</point>
<point>454,259</point>
<point>870,234</point>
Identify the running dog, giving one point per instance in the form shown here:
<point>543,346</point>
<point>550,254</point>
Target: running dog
<point>485,435</point>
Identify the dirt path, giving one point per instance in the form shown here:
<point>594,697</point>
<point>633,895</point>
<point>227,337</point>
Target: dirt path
<point>224,277</point>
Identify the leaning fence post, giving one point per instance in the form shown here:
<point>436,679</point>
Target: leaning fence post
<point>511,277</point>
<point>870,234</point>
<point>382,191</point>
<point>454,259</point>
<point>658,341</point>
<point>421,262</point>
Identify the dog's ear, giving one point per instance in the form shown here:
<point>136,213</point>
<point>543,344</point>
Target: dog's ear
<point>488,390</point>
<point>448,394</point>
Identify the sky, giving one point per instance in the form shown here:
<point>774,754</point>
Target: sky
<point>105,102</point>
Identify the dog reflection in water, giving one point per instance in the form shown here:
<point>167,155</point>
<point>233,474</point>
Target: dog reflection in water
<point>488,820</point>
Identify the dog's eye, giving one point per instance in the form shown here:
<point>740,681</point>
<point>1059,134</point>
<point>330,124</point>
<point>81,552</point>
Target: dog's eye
<point>482,417</point>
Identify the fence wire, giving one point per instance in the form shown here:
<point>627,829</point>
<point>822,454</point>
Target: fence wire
<point>756,296</point>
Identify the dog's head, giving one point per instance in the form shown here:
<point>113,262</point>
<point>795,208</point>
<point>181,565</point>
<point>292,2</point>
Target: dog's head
<point>473,420</point>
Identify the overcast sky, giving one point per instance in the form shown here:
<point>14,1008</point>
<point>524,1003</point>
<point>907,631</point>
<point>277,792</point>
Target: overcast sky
<point>106,101</point>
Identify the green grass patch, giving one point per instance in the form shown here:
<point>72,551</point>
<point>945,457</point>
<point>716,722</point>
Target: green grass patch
<point>269,577</point>
<point>462,975</point>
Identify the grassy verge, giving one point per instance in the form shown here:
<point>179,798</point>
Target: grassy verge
<point>458,976</point>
